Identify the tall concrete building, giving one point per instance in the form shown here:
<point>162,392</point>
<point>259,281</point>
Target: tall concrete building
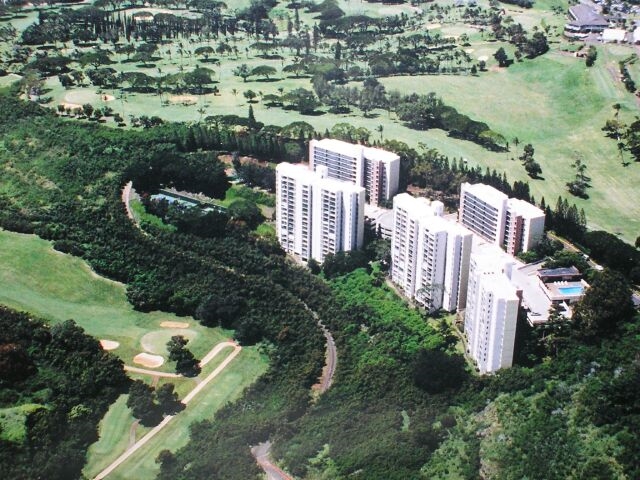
<point>456,276</point>
<point>515,225</point>
<point>378,171</point>
<point>492,310</point>
<point>316,215</point>
<point>429,255</point>
<point>483,211</point>
<point>524,226</point>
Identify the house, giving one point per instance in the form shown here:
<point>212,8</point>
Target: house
<point>583,19</point>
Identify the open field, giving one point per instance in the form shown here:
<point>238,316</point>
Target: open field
<point>553,102</point>
<point>240,373</point>
<point>37,279</point>
<point>55,286</point>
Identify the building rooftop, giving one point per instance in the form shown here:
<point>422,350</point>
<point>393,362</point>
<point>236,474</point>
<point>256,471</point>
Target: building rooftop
<point>344,148</point>
<point>379,154</point>
<point>355,150</point>
<point>298,170</point>
<point>584,15</point>
<point>525,209</point>
<point>486,193</point>
<point>559,272</point>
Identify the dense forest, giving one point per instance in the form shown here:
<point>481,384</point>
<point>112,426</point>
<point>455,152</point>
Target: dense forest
<point>403,404</point>
<point>55,385</point>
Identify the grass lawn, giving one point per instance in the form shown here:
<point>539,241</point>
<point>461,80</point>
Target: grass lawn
<point>240,373</point>
<point>55,286</point>
<point>553,102</point>
<point>37,279</point>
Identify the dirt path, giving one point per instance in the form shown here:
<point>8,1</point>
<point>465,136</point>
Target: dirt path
<point>144,440</point>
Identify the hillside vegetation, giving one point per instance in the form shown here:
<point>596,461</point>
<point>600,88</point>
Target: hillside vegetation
<point>403,405</point>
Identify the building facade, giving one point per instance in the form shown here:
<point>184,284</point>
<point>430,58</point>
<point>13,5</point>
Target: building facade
<point>491,311</point>
<point>429,255</point>
<point>378,171</point>
<point>483,211</point>
<point>316,215</point>
<point>510,223</point>
<point>524,226</point>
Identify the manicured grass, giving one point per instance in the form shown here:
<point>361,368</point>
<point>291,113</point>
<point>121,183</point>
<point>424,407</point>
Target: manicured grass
<point>37,279</point>
<point>114,437</point>
<point>240,373</point>
<point>553,102</point>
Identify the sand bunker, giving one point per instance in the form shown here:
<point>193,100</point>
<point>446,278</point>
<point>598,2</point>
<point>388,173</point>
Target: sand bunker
<point>85,95</point>
<point>71,106</point>
<point>174,325</point>
<point>188,99</point>
<point>433,26</point>
<point>147,360</point>
<point>109,344</point>
<point>483,58</point>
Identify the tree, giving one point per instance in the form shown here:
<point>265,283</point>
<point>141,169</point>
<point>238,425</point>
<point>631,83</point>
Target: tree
<point>579,185</point>
<point>435,371</point>
<point>249,95</point>
<point>605,305</point>
<point>302,100</point>
<point>501,57</point>
<point>141,402</point>
<point>590,57</point>
<point>95,58</point>
<point>246,211</point>
<point>205,51</point>
<point>296,68</point>
<point>242,71</point>
<point>186,363</point>
<point>530,165</point>
<point>167,399</point>
<point>199,77</point>
<point>263,71</point>
<point>251,119</point>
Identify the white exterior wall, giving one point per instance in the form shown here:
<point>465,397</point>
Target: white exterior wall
<point>491,313</point>
<point>524,227</point>
<point>338,218</point>
<point>373,168</point>
<point>456,277</point>
<point>316,215</point>
<point>404,243</point>
<point>430,264</point>
<point>419,250</point>
<point>294,197</point>
<point>483,211</point>
<point>343,160</point>
<point>533,232</point>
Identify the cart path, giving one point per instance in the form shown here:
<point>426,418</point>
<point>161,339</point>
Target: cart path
<point>152,433</point>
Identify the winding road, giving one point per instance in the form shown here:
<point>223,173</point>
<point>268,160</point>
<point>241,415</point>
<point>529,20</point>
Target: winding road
<point>144,440</point>
<point>262,451</point>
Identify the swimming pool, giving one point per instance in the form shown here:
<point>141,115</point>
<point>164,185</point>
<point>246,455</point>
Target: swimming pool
<point>571,290</point>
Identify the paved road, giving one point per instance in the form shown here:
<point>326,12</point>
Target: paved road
<point>144,440</point>
<point>262,451</point>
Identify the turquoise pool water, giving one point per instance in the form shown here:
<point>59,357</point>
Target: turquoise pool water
<point>570,290</point>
